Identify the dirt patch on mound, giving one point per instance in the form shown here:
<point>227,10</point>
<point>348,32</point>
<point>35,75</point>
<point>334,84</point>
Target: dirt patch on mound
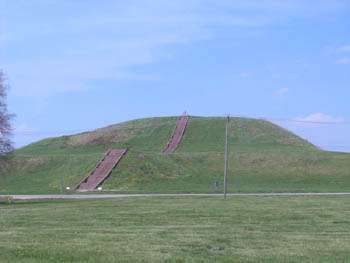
<point>100,137</point>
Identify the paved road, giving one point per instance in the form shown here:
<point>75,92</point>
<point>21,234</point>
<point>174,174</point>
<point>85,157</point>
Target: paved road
<point>115,196</point>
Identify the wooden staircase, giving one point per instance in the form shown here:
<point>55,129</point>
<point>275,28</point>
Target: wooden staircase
<point>102,170</point>
<point>176,137</point>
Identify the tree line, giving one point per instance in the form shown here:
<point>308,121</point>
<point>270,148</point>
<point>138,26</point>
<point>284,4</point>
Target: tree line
<point>6,145</point>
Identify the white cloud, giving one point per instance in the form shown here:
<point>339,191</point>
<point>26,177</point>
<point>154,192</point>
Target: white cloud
<point>299,6</point>
<point>341,52</point>
<point>345,48</point>
<point>68,44</point>
<point>106,42</point>
<point>24,128</point>
<point>336,50</point>
<point>281,92</point>
<point>320,118</point>
<point>244,74</point>
<point>343,61</point>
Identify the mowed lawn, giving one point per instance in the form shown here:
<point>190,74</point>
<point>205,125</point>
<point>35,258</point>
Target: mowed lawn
<point>186,229</point>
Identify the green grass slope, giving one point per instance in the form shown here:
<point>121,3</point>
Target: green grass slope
<point>263,158</point>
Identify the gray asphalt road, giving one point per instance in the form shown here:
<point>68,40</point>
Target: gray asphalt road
<point>116,196</point>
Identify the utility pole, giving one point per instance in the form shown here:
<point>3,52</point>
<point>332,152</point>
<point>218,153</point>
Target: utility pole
<point>226,158</point>
<point>62,183</point>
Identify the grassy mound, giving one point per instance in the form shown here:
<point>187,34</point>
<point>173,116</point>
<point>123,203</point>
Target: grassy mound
<point>263,158</point>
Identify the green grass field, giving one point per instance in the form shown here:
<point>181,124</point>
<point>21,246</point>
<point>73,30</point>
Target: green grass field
<point>242,229</point>
<point>263,158</point>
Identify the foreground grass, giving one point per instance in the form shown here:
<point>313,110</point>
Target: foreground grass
<point>249,229</point>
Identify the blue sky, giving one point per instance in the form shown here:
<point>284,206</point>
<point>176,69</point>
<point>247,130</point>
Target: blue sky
<point>82,64</point>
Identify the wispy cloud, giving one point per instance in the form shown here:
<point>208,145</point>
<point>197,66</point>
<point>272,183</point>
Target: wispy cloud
<point>281,91</point>
<point>337,50</point>
<point>105,43</point>
<point>24,128</point>
<point>343,61</point>
<point>345,48</point>
<point>320,118</point>
<point>68,44</point>
<point>340,54</point>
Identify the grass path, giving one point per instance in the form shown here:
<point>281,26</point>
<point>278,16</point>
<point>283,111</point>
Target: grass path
<point>113,196</point>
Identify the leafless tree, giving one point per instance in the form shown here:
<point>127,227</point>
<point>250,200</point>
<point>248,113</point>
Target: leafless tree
<point>6,145</point>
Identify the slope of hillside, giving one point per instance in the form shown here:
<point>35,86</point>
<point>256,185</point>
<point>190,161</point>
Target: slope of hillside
<point>263,158</point>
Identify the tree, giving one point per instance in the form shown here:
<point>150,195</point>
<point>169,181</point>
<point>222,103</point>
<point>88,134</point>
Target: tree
<point>6,145</point>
